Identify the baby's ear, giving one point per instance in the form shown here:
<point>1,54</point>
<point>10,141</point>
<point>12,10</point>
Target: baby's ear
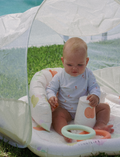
<point>87,60</point>
<point>62,59</point>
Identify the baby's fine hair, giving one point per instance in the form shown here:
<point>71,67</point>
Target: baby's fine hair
<point>76,43</point>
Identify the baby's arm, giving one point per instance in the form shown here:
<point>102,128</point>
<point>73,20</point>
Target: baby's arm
<point>52,90</point>
<point>93,89</point>
<point>94,100</point>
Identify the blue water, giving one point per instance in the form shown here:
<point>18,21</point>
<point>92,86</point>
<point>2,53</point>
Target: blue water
<point>17,6</point>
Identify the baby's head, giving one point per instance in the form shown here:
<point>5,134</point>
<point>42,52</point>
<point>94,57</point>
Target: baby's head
<point>75,56</point>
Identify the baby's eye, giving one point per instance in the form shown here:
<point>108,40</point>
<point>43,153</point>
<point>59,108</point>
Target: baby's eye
<point>80,65</point>
<point>69,65</point>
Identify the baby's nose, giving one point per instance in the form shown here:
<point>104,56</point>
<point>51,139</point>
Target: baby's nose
<point>74,67</point>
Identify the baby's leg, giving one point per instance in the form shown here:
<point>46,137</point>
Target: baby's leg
<point>60,118</point>
<point>102,118</point>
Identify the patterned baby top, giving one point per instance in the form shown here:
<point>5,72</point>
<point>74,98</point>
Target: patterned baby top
<point>71,88</point>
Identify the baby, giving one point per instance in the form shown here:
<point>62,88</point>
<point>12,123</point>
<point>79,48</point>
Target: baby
<point>72,82</point>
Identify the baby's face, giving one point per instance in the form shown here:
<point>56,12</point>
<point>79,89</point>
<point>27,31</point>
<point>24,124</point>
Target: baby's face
<point>75,63</point>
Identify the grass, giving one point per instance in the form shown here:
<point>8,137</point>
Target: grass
<point>49,57</point>
<point>43,57</point>
<point>7,150</point>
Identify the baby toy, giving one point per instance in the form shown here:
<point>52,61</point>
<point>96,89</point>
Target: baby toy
<point>85,119</point>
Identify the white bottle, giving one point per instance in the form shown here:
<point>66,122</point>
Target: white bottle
<point>85,114</point>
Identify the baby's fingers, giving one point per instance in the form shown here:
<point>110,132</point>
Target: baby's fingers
<point>88,97</point>
<point>92,104</point>
<point>55,106</point>
<point>55,100</point>
<point>52,105</point>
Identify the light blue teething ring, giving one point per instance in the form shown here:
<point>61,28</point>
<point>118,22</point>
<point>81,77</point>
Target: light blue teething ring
<point>74,136</point>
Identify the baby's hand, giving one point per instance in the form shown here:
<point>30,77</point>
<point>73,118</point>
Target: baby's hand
<point>53,101</point>
<point>94,99</point>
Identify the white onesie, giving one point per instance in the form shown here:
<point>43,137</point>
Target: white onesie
<point>71,88</point>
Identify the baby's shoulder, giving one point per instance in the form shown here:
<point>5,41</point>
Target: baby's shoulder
<point>58,74</point>
<point>88,71</point>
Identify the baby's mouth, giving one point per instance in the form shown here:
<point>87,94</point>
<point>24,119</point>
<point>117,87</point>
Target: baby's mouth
<point>74,71</point>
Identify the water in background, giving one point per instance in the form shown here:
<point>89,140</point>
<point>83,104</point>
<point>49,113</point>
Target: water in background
<point>17,6</point>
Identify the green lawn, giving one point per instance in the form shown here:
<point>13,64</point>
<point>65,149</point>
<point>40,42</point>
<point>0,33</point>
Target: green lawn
<point>49,57</point>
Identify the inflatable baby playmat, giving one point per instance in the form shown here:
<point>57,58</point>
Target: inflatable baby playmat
<point>85,140</point>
